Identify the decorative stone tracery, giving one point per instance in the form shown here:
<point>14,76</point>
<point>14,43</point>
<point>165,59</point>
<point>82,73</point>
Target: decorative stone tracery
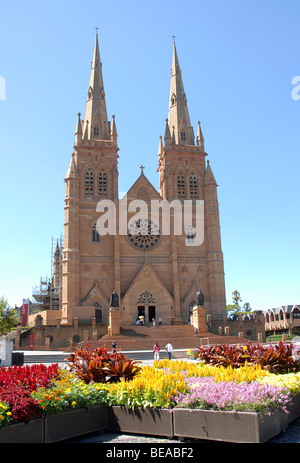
<point>146,298</point>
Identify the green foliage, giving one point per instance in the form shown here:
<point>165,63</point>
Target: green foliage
<point>235,308</point>
<point>100,366</point>
<point>8,319</point>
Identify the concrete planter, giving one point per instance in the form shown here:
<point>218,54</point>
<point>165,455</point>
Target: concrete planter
<point>152,421</point>
<point>237,427</point>
<point>73,423</point>
<point>294,409</point>
<point>23,433</point>
<point>241,427</point>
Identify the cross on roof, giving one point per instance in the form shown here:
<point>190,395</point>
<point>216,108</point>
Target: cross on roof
<point>142,169</point>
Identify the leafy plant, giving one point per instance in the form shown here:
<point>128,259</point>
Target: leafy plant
<point>21,405</point>
<point>121,368</point>
<point>278,359</point>
<point>100,366</point>
<point>275,359</point>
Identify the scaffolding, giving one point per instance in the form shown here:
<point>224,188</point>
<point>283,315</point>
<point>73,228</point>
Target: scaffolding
<point>48,295</point>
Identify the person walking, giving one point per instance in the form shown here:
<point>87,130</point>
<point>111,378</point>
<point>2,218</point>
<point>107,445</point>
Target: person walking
<point>169,349</point>
<point>156,349</point>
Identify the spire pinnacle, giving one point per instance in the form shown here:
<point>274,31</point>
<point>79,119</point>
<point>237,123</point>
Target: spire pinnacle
<point>200,138</point>
<point>72,170</point>
<point>160,147</point>
<point>78,130</point>
<point>179,119</point>
<point>95,121</point>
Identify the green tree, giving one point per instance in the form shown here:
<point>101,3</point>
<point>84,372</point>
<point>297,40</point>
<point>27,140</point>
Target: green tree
<point>8,318</point>
<point>235,308</point>
<point>247,307</point>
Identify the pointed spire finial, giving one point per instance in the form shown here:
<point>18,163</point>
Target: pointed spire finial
<point>95,112</point>
<point>78,130</point>
<point>160,146</point>
<point>178,111</point>
<point>200,138</point>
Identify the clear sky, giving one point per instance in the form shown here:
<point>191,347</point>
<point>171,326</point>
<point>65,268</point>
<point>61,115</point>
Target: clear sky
<point>238,59</point>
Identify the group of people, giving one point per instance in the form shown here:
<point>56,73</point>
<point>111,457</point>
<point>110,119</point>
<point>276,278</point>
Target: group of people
<point>141,320</point>
<point>156,350</point>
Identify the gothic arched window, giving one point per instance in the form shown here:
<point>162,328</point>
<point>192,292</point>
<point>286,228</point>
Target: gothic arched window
<point>190,235</point>
<point>146,298</point>
<point>193,186</point>
<point>102,186</point>
<point>96,130</point>
<point>180,186</point>
<point>98,312</point>
<point>89,183</point>
<point>95,235</point>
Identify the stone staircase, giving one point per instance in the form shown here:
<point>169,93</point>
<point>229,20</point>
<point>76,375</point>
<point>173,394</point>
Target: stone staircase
<point>138,338</point>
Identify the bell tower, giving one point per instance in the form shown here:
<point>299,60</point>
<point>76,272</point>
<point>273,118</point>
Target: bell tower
<point>92,176</point>
<point>184,175</point>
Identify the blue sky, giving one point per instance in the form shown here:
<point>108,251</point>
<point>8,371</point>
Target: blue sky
<point>238,59</point>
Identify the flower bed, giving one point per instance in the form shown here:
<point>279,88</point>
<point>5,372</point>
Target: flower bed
<point>16,387</point>
<point>239,385</point>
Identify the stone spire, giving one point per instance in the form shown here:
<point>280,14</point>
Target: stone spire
<point>209,176</point>
<point>72,171</point>
<point>179,119</point>
<point>200,138</point>
<point>96,126</point>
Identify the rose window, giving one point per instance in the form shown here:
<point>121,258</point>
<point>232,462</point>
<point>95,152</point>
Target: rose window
<point>143,234</point>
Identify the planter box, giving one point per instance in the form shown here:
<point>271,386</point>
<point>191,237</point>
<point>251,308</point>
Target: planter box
<point>238,427</point>
<point>73,423</point>
<point>23,433</point>
<point>294,408</point>
<point>181,422</point>
<point>152,421</point>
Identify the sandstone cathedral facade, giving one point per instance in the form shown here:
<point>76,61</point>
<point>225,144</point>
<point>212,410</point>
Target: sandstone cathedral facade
<point>155,275</point>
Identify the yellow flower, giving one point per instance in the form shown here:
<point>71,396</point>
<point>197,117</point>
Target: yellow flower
<point>73,403</point>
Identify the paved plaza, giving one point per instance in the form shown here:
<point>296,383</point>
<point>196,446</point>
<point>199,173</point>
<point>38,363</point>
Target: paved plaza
<point>290,436</point>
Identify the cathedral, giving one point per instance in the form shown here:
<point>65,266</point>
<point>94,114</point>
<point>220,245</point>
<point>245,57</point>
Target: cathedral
<point>155,275</point>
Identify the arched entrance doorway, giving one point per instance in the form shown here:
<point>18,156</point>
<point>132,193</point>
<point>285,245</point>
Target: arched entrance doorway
<point>146,306</point>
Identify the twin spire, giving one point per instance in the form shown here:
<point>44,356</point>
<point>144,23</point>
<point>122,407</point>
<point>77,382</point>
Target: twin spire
<point>95,126</point>
<point>178,130</point>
